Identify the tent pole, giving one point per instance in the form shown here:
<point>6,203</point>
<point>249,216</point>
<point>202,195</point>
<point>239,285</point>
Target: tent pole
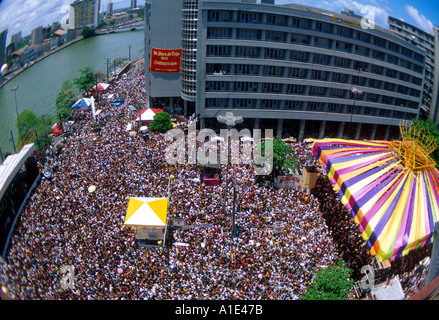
<point>167,216</point>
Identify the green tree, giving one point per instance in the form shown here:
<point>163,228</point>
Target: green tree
<point>284,160</point>
<point>29,121</point>
<point>432,128</point>
<point>331,283</point>
<point>161,123</point>
<point>87,79</point>
<point>88,32</point>
<point>65,99</point>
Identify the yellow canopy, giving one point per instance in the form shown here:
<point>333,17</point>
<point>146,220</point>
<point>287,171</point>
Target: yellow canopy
<point>147,212</point>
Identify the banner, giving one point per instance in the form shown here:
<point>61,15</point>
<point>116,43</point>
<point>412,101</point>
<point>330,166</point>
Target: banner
<point>289,182</point>
<point>165,60</point>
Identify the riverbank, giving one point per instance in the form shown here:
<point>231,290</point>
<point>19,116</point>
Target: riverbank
<point>77,39</point>
<point>44,56</point>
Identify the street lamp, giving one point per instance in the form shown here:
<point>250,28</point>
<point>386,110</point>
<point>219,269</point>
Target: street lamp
<point>356,92</point>
<point>16,108</point>
<point>108,61</point>
<point>230,120</point>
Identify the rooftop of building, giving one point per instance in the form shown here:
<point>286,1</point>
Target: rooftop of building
<point>347,17</point>
<point>415,28</point>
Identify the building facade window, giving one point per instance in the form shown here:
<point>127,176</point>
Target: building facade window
<point>218,33</point>
<point>314,106</point>
<point>275,36</point>
<point>270,104</point>
<point>276,20</point>
<point>335,107</point>
<point>321,59</point>
<point>339,77</point>
<point>342,62</point>
<point>273,53</point>
<point>247,52</point>
<point>295,88</point>
<point>273,71</point>
<point>250,17</point>
<point>317,91</point>
<point>249,69</point>
<point>299,56</point>
<point>319,75</point>
<point>218,51</point>
<point>248,34</point>
<point>293,104</point>
<point>297,73</point>
<point>270,87</point>
<point>242,86</point>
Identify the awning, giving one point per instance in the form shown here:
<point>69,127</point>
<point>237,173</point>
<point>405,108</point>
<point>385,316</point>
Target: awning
<point>147,212</point>
<point>101,87</point>
<point>56,129</point>
<point>82,103</point>
<point>147,115</point>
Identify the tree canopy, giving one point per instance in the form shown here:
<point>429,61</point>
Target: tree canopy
<point>284,161</point>
<point>88,32</point>
<point>87,79</point>
<point>65,99</point>
<point>431,127</point>
<point>28,120</point>
<point>331,283</point>
<point>161,123</point>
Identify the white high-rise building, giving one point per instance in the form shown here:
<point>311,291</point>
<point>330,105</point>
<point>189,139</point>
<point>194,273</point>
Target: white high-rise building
<point>110,9</point>
<point>300,70</point>
<point>84,13</point>
<point>428,42</point>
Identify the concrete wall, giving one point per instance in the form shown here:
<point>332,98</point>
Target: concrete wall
<point>162,31</point>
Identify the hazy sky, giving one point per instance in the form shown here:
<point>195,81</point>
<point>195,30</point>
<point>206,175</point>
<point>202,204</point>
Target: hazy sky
<point>421,13</point>
<point>24,15</point>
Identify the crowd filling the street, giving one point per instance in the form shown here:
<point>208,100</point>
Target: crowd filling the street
<point>67,224</point>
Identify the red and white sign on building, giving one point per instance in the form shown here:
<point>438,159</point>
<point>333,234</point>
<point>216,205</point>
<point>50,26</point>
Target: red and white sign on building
<point>165,60</point>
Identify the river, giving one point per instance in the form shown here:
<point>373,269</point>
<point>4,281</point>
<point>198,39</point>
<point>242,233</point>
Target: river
<point>40,84</point>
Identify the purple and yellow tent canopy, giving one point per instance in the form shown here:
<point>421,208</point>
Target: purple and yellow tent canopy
<point>395,207</point>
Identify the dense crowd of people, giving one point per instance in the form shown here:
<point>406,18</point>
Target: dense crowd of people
<point>67,223</point>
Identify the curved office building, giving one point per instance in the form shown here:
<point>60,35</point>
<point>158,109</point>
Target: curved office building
<point>299,70</point>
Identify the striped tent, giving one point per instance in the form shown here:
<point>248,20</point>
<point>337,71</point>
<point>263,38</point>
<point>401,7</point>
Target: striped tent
<point>395,206</point>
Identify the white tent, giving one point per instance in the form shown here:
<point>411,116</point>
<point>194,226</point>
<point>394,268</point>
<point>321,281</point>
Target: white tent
<point>82,103</point>
<point>101,87</point>
<point>147,115</point>
<point>147,212</point>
